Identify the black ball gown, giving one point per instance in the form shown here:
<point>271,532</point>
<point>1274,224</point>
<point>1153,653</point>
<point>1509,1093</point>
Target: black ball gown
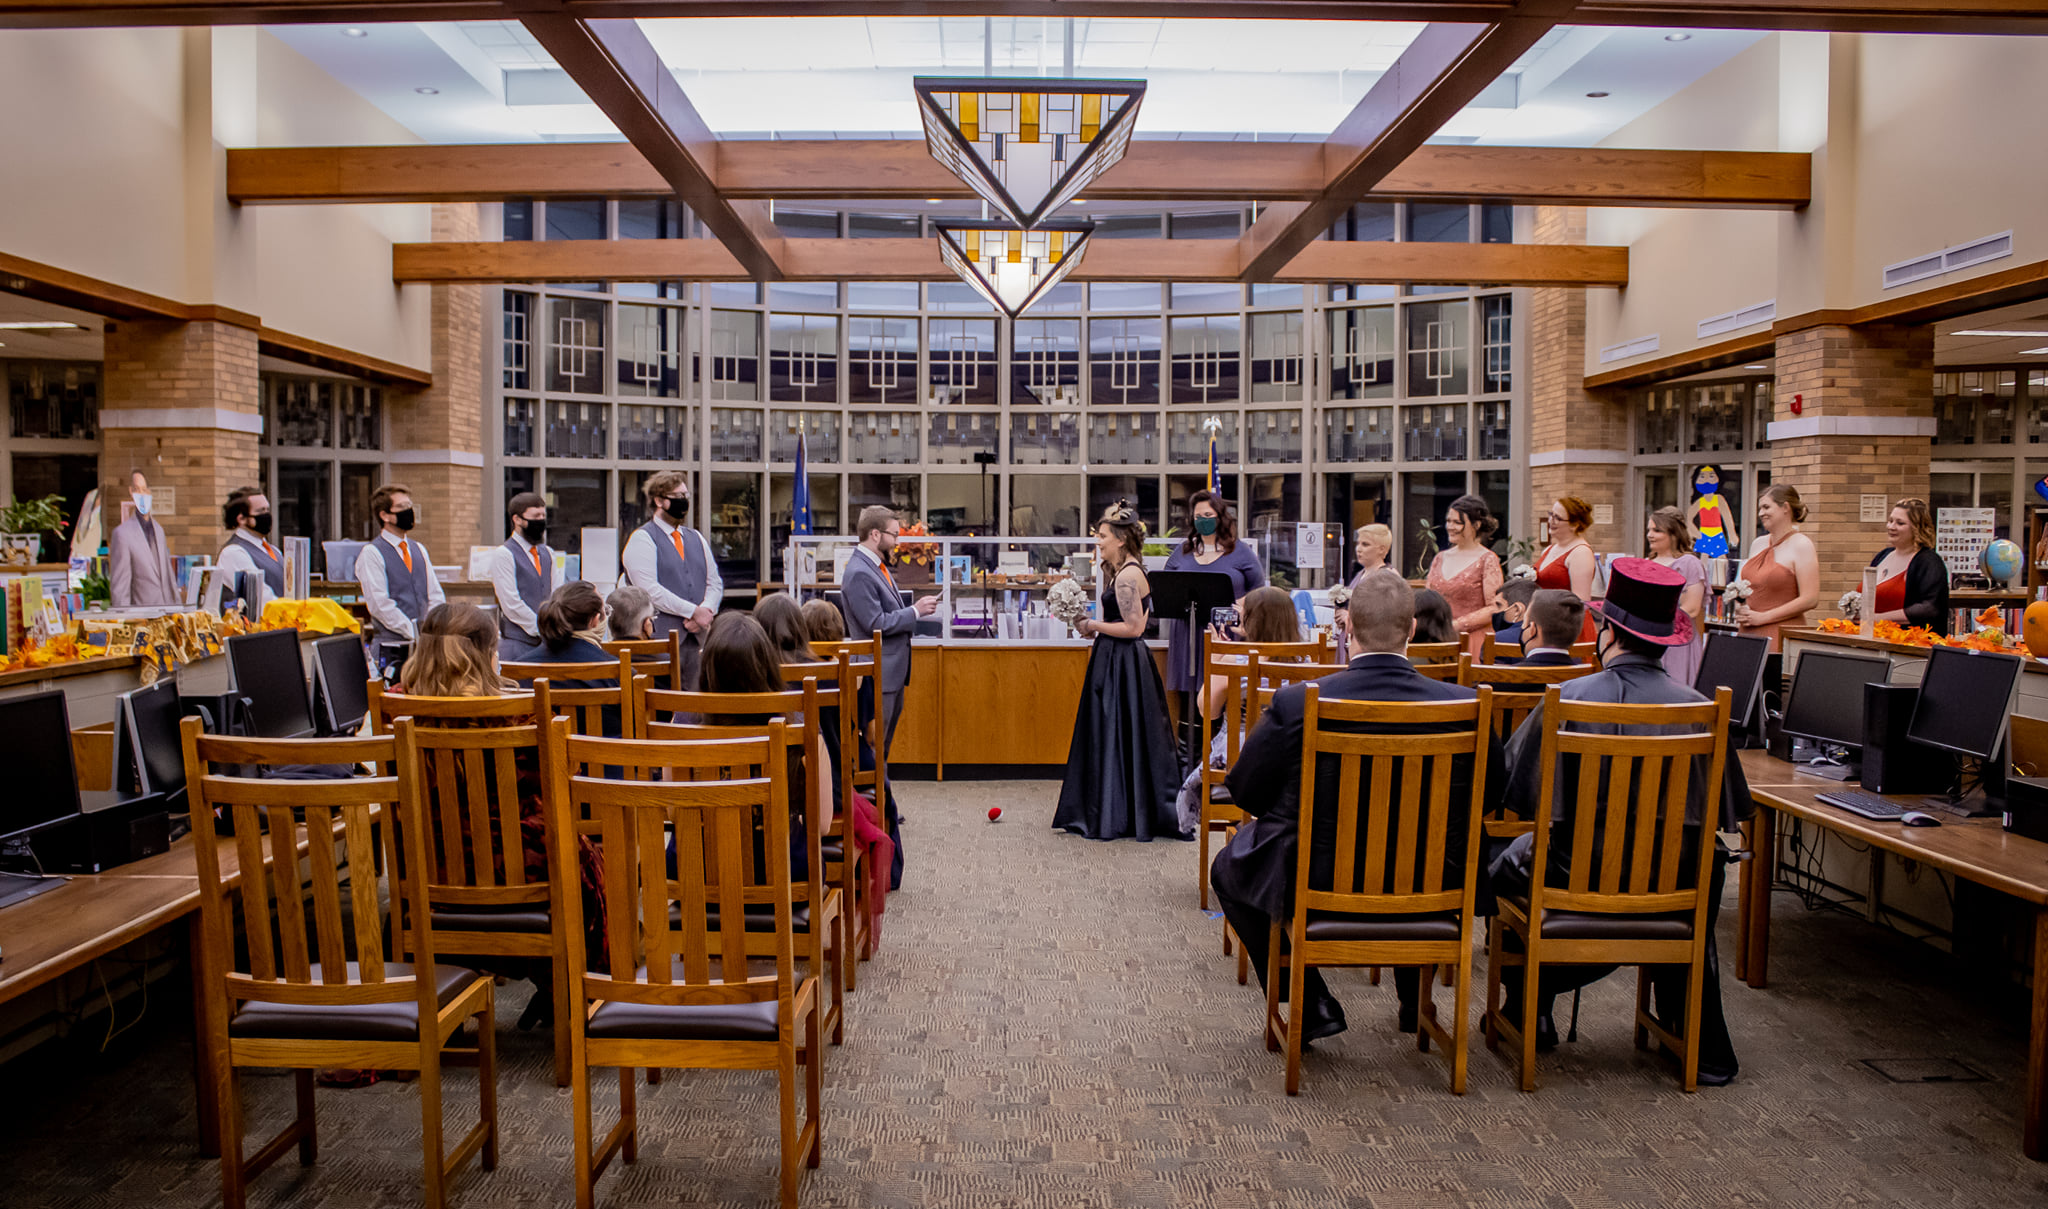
<point>1122,770</point>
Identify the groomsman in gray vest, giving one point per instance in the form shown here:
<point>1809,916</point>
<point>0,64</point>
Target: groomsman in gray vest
<point>139,567</point>
<point>395,574</point>
<point>672,563</point>
<point>870,600</point>
<point>248,568</point>
<point>523,574</point>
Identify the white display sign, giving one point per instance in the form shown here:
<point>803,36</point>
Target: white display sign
<point>1308,546</point>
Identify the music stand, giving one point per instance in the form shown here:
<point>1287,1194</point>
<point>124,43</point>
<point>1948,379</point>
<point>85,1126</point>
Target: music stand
<point>1191,595</point>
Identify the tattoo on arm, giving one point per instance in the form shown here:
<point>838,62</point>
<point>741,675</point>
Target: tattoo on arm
<point>1130,600</point>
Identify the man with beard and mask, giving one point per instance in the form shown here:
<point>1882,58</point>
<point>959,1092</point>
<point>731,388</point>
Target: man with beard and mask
<point>871,602</point>
<point>522,572</point>
<point>673,564</point>
<point>248,568</point>
<point>396,576</point>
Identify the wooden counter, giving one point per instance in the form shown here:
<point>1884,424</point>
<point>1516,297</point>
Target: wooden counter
<point>90,685</point>
<point>992,703</point>
<point>1908,662</point>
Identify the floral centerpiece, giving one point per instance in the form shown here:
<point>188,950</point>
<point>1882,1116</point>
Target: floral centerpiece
<point>917,553</point>
<point>1067,601</point>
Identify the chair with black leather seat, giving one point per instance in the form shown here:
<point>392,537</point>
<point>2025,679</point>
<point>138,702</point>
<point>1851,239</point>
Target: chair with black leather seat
<point>813,900</point>
<point>311,988</point>
<point>692,1000</point>
<point>1228,661</point>
<point>1634,891</point>
<point>1388,900</point>
<point>482,899</point>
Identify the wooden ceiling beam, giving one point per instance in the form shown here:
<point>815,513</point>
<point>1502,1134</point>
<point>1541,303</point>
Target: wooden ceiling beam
<point>856,169</point>
<point>1838,16</point>
<point>1436,76</point>
<point>620,71</point>
<point>918,260</point>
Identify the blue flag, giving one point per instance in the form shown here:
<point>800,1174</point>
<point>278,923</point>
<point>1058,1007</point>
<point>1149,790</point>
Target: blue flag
<point>800,494</point>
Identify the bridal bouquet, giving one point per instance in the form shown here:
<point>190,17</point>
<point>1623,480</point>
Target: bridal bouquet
<point>1525,571</point>
<point>1738,591</point>
<point>1340,596</point>
<point>1068,601</point>
<point>1851,604</point>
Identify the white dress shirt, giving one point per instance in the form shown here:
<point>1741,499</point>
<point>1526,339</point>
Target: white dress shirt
<point>376,585</point>
<point>234,560</point>
<point>504,576</point>
<point>641,567</point>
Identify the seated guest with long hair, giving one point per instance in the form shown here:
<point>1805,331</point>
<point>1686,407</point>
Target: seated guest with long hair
<point>1433,621</point>
<point>784,620</point>
<point>739,657</point>
<point>456,655</point>
<point>823,619</point>
<point>826,624</point>
<point>572,631</point>
<point>1269,616</point>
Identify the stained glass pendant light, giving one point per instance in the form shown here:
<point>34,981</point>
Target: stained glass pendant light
<point>1027,146</point>
<point>1009,267</point>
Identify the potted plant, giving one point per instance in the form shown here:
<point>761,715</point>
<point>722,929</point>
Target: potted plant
<point>1161,548</point>
<point>22,525</point>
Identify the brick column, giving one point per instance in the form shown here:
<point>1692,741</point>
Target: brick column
<point>435,434</point>
<point>1863,428</point>
<point>182,405</point>
<point>1578,439</point>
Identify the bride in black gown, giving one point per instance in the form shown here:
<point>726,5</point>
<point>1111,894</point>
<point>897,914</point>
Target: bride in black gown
<point>1122,771</point>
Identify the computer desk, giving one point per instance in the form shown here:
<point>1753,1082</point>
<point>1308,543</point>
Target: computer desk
<point>1977,850</point>
<point>57,931</point>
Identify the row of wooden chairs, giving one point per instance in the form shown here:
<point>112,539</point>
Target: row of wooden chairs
<point>447,778</point>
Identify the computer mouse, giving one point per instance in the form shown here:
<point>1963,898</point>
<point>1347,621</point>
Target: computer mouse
<point>1917,818</point>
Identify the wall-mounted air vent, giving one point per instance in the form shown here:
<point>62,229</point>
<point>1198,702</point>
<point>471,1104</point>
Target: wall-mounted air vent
<point>1633,348</point>
<point>1948,260</point>
<point>1749,316</point>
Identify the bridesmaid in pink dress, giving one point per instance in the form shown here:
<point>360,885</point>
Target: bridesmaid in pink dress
<point>1468,574</point>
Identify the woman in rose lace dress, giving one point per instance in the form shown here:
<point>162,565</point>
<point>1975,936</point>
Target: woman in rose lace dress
<point>1468,574</point>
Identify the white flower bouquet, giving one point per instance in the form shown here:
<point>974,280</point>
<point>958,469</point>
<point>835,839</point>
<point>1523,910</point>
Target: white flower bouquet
<point>1738,591</point>
<point>1340,596</point>
<point>1525,571</point>
<point>1851,604</point>
<point>1067,601</point>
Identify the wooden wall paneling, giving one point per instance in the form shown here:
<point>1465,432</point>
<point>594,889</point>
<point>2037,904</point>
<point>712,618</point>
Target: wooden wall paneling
<point>1011,705</point>
<point>918,731</point>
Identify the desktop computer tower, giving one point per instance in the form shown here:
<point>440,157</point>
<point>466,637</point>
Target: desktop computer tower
<point>96,840</point>
<point>1891,763</point>
<point>2026,807</point>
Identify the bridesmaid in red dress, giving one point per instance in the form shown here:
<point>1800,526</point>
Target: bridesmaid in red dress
<point>1783,568</point>
<point>1468,574</point>
<point>1567,562</point>
<point>1912,581</point>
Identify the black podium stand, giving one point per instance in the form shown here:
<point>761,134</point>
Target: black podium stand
<point>1190,595</point>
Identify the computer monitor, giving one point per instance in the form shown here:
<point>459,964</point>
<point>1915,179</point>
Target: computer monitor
<point>1734,662</point>
<point>341,682</point>
<point>149,751</point>
<point>271,681</point>
<point>42,786</point>
<point>1826,703</point>
<point>1964,708</point>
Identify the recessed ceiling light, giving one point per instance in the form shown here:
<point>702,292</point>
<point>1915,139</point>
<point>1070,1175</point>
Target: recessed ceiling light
<point>934,201</point>
<point>1678,37</point>
<point>1079,201</point>
<point>428,92</point>
<point>353,32</point>
<point>38,325</point>
<point>2034,352</point>
<point>2001,331</point>
<point>1596,95</point>
<point>1756,367</point>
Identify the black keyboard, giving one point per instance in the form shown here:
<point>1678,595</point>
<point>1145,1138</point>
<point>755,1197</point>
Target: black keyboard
<point>1869,805</point>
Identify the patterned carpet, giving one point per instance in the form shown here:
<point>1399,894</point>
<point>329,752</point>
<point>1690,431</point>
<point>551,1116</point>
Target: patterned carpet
<point>1051,1022</point>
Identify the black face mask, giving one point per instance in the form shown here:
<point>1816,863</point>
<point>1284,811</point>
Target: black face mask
<point>676,508</point>
<point>260,522</point>
<point>1501,622</point>
<point>402,521</point>
<point>536,531</point>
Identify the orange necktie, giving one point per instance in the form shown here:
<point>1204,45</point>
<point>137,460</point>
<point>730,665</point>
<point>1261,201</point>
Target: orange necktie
<point>535,551</point>
<point>682,552</point>
<point>405,552</point>
<point>887,576</point>
<point>270,550</point>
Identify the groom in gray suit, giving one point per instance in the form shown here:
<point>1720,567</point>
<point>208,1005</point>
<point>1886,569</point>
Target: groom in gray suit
<point>869,598</point>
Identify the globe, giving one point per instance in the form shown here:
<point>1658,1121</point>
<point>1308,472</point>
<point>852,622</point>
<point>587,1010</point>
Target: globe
<point>2001,561</point>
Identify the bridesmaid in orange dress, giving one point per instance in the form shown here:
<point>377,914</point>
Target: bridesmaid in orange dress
<point>1783,569</point>
<point>1567,563</point>
<point>1468,574</point>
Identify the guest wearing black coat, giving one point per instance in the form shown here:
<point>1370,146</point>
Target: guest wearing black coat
<point>1254,875</point>
<point>1912,581</point>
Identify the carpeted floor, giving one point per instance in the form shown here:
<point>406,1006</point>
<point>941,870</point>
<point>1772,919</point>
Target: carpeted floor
<point>1051,1022</point>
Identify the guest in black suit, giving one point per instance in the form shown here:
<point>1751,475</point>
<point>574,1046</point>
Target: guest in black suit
<point>1511,610</point>
<point>1254,875</point>
<point>1555,617</point>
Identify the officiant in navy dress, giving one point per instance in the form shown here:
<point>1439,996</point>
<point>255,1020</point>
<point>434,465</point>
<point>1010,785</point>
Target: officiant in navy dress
<point>1122,769</point>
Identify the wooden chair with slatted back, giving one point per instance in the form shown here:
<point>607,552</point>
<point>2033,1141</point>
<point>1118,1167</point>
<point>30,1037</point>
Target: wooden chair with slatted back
<point>1227,703</point>
<point>858,661</point>
<point>386,706</point>
<point>1628,902</point>
<point>819,909</point>
<point>658,658</point>
<point>1492,651</point>
<point>1422,654</point>
<point>608,710</point>
<point>315,990</point>
<point>1518,691</point>
<point>681,992</point>
<point>842,736</point>
<point>1389,901</point>
<point>481,898</point>
<point>1446,673</point>
<point>614,670</point>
